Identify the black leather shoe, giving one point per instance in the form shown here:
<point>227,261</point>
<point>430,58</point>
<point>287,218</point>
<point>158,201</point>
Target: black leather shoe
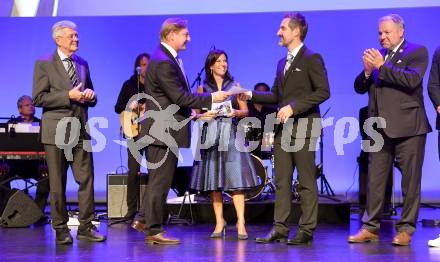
<point>63,237</point>
<point>300,238</point>
<point>90,234</point>
<point>271,237</point>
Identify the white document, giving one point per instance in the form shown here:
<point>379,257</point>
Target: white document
<point>235,89</point>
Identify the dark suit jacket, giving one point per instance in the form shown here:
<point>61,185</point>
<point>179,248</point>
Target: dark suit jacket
<point>51,86</point>
<point>165,82</point>
<point>396,91</point>
<point>434,83</point>
<point>304,87</point>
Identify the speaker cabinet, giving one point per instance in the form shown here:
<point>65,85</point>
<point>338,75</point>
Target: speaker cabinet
<point>20,210</point>
<point>117,194</point>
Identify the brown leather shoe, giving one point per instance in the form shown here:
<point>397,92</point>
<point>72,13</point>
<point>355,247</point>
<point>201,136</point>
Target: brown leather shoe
<point>401,239</point>
<point>363,236</point>
<point>161,239</point>
<point>138,225</point>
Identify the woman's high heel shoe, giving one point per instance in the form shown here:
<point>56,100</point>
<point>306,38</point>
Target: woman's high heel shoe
<point>221,233</point>
<point>242,236</point>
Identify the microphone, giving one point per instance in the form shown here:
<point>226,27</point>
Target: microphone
<point>204,132</point>
<point>138,70</point>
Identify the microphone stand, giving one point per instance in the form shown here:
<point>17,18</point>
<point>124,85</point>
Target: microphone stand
<point>138,110</point>
<point>199,75</point>
<point>326,190</point>
<point>198,79</point>
<point>138,201</point>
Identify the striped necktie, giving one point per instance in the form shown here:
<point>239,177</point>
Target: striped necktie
<point>71,71</point>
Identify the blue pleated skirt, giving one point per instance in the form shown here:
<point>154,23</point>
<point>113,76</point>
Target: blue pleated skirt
<point>222,167</point>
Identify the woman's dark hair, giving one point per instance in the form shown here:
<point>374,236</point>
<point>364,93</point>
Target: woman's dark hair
<point>266,87</point>
<point>210,60</point>
<point>137,62</point>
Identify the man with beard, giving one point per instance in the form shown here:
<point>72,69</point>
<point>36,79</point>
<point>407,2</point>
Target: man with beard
<point>300,86</point>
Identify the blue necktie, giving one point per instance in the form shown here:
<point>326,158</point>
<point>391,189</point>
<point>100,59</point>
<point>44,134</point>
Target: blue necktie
<point>180,63</point>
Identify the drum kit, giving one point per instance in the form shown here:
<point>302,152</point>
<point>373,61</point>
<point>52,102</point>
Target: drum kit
<point>266,186</point>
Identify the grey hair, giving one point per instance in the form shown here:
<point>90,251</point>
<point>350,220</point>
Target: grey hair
<point>58,27</point>
<point>21,100</point>
<point>395,18</point>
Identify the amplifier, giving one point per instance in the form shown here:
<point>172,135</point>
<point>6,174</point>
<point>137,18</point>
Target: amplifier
<point>117,193</point>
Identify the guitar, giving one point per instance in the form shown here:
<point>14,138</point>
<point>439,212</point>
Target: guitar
<point>130,121</point>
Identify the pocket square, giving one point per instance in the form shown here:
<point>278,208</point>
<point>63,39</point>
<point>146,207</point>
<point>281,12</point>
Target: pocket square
<point>296,69</point>
<point>399,61</point>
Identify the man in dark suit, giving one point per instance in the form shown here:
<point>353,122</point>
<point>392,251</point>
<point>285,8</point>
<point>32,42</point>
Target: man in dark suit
<point>393,78</point>
<point>434,88</point>
<point>434,94</point>
<point>300,85</point>
<point>169,107</point>
<point>63,88</point>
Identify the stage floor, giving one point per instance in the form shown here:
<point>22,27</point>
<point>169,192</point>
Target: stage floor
<point>37,243</point>
<point>330,210</point>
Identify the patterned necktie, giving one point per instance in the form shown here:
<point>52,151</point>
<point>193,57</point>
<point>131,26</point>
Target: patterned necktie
<point>389,56</point>
<point>289,61</point>
<point>180,63</point>
<point>73,76</point>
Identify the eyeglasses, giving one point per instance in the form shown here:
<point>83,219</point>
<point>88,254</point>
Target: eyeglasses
<point>71,36</point>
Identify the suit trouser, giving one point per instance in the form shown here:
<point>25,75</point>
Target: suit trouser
<point>285,164</point>
<point>133,181</point>
<point>409,153</point>
<point>82,169</point>
<point>159,183</point>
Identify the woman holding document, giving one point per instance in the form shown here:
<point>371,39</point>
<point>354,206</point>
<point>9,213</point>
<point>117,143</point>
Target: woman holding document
<point>222,166</point>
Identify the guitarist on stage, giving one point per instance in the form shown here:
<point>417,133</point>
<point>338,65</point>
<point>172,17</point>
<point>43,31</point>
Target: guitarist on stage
<point>130,130</point>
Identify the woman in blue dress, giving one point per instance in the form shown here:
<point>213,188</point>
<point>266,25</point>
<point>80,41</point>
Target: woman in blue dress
<point>222,167</point>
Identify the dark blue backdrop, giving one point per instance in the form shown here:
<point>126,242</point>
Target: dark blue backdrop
<point>110,45</point>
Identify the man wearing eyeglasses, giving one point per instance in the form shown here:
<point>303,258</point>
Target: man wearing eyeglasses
<point>63,88</point>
